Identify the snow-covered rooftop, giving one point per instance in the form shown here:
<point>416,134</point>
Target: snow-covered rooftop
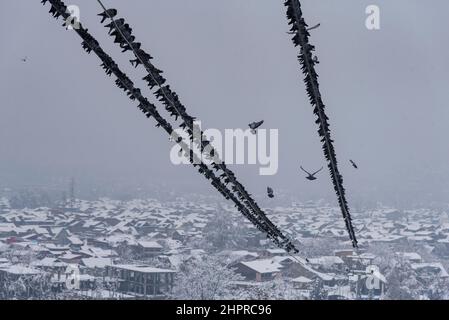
<point>263,266</point>
<point>437,266</point>
<point>302,280</point>
<point>142,268</point>
<point>20,270</point>
<point>150,245</point>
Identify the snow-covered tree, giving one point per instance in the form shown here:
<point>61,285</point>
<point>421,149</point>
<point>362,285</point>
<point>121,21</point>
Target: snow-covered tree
<point>223,231</point>
<point>438,289</point>
<point>402,283</point>
<point>205,278</point>
<point>18,255</point>
<point>278,289</point>
<point>318,291</point>
<point>15,288</point>
<point>36,286</point>
<point>40,286</point>
<point>125,253</point>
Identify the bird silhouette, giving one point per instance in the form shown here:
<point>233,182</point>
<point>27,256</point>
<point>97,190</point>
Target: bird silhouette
<point>254,126</point>
<point>134,47</point>
<point>24,59</point>
<point>314,27</point>
<point>118,23</point>
<point>354,164</point>
<point>311,176</point>
<point>270,192</point>
<point>110,13</point>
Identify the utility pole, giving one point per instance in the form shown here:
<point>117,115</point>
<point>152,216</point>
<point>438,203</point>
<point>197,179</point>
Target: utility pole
<point>72,193</point>
<point>64,200</point>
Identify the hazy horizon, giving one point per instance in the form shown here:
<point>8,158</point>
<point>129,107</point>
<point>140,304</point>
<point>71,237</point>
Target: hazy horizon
<point>231,63</point>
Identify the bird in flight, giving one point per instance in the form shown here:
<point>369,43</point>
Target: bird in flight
<point>254,126</point>
<point>311,176</point>
<point>108,13</point>
<point>24,59</point>
<point>354,164</point>
<point>270,192</point>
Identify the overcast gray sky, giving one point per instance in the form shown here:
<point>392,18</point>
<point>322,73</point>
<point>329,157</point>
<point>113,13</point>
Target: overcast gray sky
<point>232,62</point>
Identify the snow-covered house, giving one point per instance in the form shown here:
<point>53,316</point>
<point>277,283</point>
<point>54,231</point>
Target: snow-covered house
<point>259,270</point>
<point>302,283</point>
<point>441,248</point>
<point>369,285</point>
<point>328,263</point>
<point>429,271</point>
<point>412,257</point>
<point>95,266</point>
<point>142,280</point>
<point>274,252</point>
<point>74,242</point>
<point>71,258</point>
<point>240,255</point>
<point>11,273</point>
<point>148,249</point>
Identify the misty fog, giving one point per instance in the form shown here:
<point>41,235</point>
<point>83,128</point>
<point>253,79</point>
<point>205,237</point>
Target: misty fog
<point>231,62</point>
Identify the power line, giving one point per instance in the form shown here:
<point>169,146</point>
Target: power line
<point>229,174</point>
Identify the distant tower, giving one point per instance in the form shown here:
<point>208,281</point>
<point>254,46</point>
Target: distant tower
<point>72,193</point>
<point>64,200</point>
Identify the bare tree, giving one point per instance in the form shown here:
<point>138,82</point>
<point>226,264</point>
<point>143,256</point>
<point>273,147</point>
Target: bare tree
<point>204,279</point>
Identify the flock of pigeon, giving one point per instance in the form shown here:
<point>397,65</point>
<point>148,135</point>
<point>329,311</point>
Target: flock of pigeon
<point>310,176</point>
<point>222,179</point>
<point>126,31</point>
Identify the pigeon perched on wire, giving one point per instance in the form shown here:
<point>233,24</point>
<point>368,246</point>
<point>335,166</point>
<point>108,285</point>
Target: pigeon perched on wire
<point>117,23</point>
<point>134,47</point>
<point>314,27</point>
<point>110,13</point>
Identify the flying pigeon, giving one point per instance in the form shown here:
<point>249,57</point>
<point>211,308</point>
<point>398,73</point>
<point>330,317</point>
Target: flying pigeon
<point>270,192</point>
<point>110,13</point>
<point>24,59</point>
<point>311,176</point>
<point>254,126</point>
<point>354,164</point>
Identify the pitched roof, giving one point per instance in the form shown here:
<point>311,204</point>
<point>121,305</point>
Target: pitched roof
<point>21,270</point>
<point>302,280</point>
<point>150,244</point>
<point>96,262</point>
<point>433,265</point>
<point>326,260</point>
<point>142,268</point>
<point>263,266</point>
